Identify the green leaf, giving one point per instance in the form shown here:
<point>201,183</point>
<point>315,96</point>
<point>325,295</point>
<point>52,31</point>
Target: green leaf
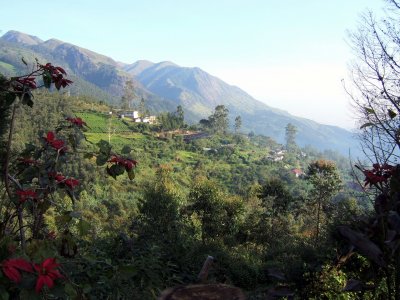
<point>109,172</point>
<point>131,174</point>
<point>126,150</point>
<point>70,291</point>
<point>29,147</point>
<point>101,159</point>
<point>83,227</point>
<point>366,125</point>
<point>115,170</point>
<point>27,99</point>
<point>391,113</point>
<point>104,147</point>
<point>47,80</point>
<point>27,282</point>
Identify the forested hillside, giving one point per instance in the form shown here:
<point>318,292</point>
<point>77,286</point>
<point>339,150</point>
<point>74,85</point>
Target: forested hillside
<point>166,85</point>
<point>224,195</point>
<point>134,198</point>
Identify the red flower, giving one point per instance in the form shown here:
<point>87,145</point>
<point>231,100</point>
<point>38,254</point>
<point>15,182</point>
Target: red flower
<point>129,164</point>
<point>61,70</point>
<point>57,176</point>
<point>26,194</point>
<point>11,268</point>
<point>28,81</point>
<point>56,144</point>
<point>57,75</point>
<point>71,183</point>
<point>47,273</point>
<point>77,121</point>
<point>60,81</point>
<point>378,174</point>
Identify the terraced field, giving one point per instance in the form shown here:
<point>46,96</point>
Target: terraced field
<point>102,123</point>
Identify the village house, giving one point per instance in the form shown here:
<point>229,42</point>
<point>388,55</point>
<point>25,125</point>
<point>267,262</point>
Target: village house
<point>297,172</point>
<point>129,114</point>
<point>276,155</point>
<point>134,116</point>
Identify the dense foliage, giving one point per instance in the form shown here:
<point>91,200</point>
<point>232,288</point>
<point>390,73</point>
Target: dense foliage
<point>223,195</point>
<point>97,207</point>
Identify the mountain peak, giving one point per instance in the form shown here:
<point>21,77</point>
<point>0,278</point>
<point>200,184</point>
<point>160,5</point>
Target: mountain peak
<point>14,36</point>
<point>52,43</point>
<point>138,66</point>
<point>144,62</point>
<point>167,63</point>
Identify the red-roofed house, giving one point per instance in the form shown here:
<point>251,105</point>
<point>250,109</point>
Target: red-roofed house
<point>297,172</point>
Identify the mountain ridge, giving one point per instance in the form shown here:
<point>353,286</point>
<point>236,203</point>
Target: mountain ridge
<point>166,85</point>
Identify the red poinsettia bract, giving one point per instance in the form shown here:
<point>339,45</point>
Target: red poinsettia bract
<point>28,81</point>
<point>71,182</point>
<point>378,174</point>
<point>58,145</point>
<point>48,272</point>
<point>77,121</point>
<point>129,164</point>
<point>61,179</point>
<point>26,195</point>
<point>12,267</point>
<point>57,75</point>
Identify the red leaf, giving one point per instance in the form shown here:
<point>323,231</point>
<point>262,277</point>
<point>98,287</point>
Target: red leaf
<point>12,274</point>
<point>61,70</point>
<point>47,273</point>
<point>11,268</point>
<point>50,136</point>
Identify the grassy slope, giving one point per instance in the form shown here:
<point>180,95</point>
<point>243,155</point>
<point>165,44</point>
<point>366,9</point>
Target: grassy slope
<point>245,164</point>
<point>151,151</point>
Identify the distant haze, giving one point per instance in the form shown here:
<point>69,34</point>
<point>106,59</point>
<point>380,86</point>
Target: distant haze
<point>304,90</point>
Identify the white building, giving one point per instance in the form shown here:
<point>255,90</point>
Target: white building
<point>129,114</point>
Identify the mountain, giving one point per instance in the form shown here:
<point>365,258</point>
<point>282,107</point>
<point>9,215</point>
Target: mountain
<point>21,38</point>
<point>199,92</point>
<point>166,85</point>
<point>93,74</point>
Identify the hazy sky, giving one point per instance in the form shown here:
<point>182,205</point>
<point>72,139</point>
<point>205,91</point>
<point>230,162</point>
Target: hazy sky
<point>289,54</point>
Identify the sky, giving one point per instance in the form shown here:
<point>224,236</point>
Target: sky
<point>289,54</point>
